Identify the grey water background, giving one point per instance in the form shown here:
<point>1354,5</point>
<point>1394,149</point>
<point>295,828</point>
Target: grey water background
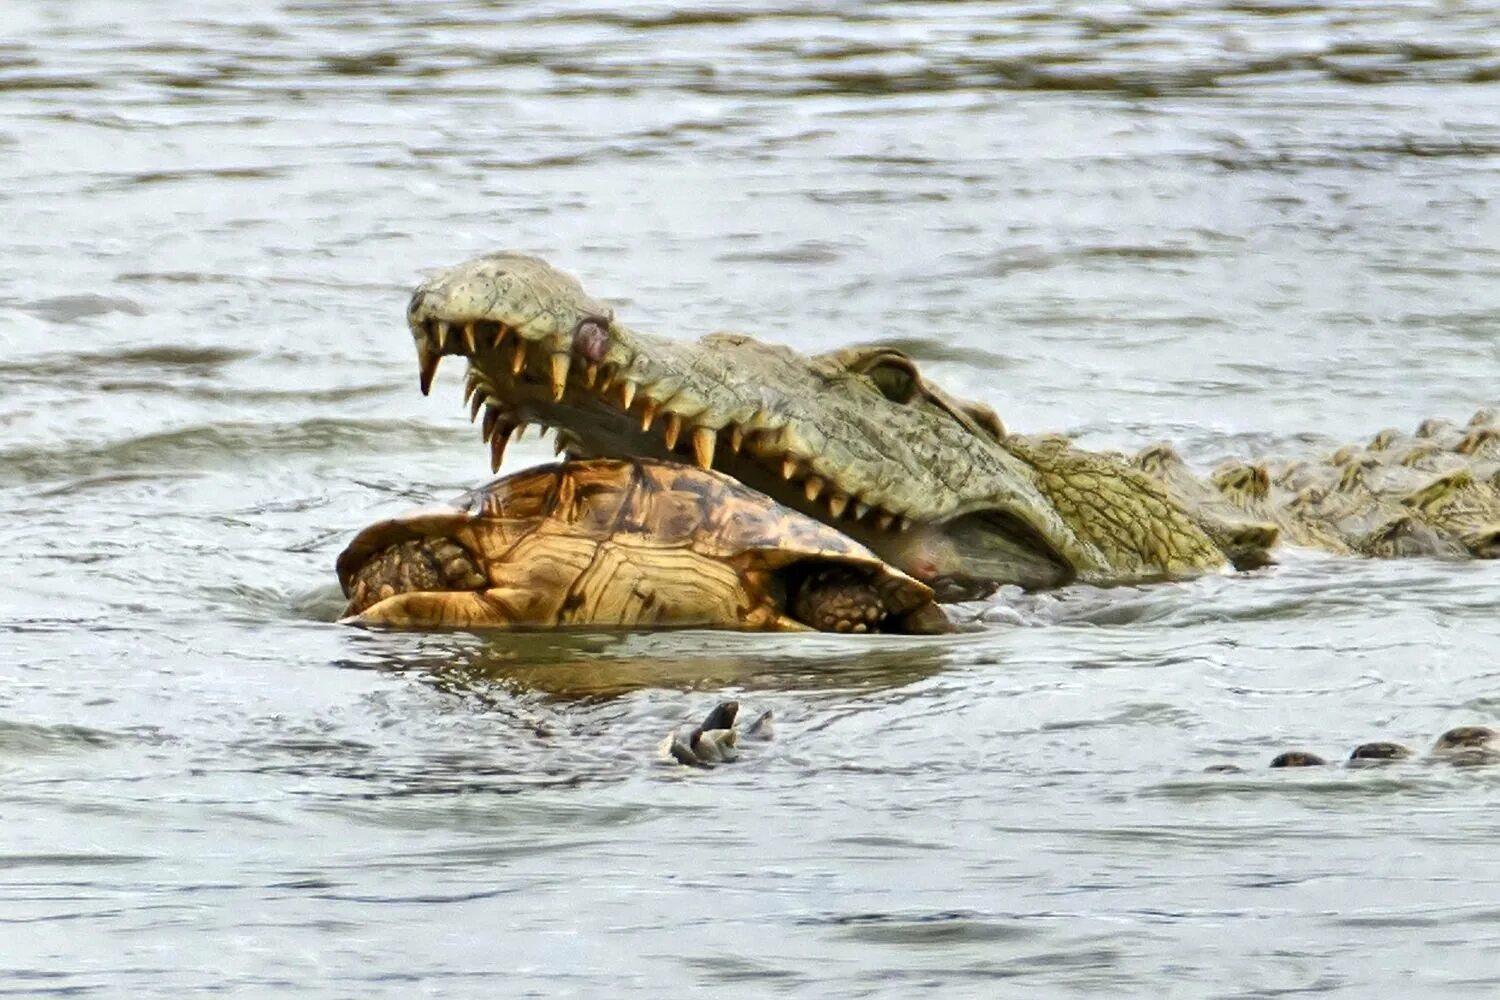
<point>1247,227</point>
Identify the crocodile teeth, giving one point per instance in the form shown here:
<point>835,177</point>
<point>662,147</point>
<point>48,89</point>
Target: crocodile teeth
<point>499,438</point>
<point>648,414</point>
<point>704,439</point>
<point>560,365</point>
<point>860,510</point>
<point>885,520</point>
<point>627,394</point>
<point>836,504</point>
<point>736,439</point>
<point>469,338</point>
<point>428,357</point>
<point>590,375</point>
<point>788,467</point>
<point>475,404</point>
<point>671,429</point>
<point>491,420</point>
<point>518,357</point>
<point>813,487</point>
<point>560,445</point>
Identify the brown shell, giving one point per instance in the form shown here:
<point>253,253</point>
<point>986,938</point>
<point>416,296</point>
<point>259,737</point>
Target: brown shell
<point>630,539</point>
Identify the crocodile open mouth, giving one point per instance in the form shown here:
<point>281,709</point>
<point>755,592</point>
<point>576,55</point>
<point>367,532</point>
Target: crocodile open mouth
<point>854,439</point>
<point>601,407</point>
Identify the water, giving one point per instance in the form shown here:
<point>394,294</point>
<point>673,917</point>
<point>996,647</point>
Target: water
<point>1244,227</point>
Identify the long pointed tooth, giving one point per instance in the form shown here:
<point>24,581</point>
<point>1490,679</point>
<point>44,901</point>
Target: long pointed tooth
<point>788,467</point>
<point>813,487</point>
<point>559,445</point>
<point>885,520</point>
<point>736,438</point>
<point>475,404</point>
<point>860,510</point>
<point>648,414</point>
<point>704,439</point>
<point>836,504</point>
<point>518,357</point>
<point>671,429</point>
<point>608,381</point>
<point>520,430</point>
<point>590,375</point>
<point>627,394</point>
<point>469,339</point>
<point>440,335</point>
<point>498,440</point>
<point>500,332</point>
<point>491,420</point>
<point>560,365</point>
<point>427,364</point>
<point>471,385</point>
<point>902,523</point>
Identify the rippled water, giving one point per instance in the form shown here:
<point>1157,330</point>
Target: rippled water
<point>1242,226</point>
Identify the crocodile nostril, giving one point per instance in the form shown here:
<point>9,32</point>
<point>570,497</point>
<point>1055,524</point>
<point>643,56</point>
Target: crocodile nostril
<point>591,340</point>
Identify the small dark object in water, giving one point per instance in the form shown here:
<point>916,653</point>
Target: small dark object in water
<point>1379,751</point>
<point>716,741</point>
<point>1468,745</point>
<point>1298,758</point>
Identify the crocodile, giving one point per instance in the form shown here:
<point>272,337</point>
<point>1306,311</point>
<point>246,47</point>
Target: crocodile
<point>935,485</point>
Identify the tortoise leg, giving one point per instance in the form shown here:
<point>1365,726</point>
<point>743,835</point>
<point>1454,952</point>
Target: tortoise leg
<point>443,609</point>
<point>837,600</point>
<point>431,583</point>
<point>419,564</point>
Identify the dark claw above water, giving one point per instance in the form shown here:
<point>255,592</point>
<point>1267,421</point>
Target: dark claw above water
<point>722,716</point>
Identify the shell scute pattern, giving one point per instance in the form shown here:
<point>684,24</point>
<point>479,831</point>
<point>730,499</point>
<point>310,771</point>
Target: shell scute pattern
<point>618,543</point>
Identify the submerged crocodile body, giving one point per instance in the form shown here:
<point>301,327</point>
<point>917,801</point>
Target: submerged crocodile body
<point>935,485</point>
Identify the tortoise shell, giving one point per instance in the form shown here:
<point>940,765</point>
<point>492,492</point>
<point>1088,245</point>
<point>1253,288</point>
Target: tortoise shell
<point>607,542</point>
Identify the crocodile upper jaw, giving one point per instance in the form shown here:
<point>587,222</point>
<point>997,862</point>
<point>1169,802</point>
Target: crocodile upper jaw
<point>910,481</point>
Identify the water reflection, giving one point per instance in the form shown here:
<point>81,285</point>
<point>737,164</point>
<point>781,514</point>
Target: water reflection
<point>610,665</point>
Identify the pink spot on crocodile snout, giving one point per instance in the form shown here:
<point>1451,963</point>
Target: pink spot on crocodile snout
<point>591,340</point>
<point>923,569</point>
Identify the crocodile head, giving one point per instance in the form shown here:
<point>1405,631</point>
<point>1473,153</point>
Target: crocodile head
<point>856,438</point>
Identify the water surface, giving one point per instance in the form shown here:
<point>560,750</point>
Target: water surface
<point>1245,227</point>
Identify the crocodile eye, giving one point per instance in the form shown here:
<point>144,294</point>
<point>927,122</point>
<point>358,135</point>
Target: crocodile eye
<point>895,376</point>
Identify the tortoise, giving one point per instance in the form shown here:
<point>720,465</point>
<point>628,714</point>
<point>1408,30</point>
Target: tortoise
<point>616,543</point>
